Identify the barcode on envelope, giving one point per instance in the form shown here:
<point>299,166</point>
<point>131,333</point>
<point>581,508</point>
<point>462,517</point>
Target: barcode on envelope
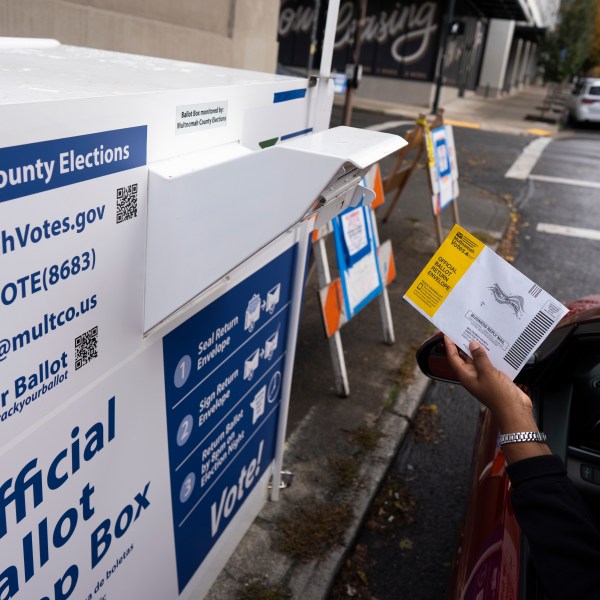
<point>528,339</point>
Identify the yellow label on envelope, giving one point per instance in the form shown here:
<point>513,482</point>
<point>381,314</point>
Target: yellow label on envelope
<point>452,260</point>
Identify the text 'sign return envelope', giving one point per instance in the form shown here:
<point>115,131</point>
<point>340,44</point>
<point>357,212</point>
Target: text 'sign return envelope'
<point>470,293</point>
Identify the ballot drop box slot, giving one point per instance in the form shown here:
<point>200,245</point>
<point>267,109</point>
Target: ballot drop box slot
<point>152,259</point>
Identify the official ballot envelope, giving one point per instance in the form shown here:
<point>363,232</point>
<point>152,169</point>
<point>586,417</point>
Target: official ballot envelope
<point>470,293</point>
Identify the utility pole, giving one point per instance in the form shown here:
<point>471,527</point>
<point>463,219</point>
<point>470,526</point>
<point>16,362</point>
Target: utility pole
<point>443,45</point>
<point>360,25</point>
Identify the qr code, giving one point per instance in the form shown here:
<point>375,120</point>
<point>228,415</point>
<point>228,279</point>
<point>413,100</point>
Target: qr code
<point>86,347</point>
<point>127,202</point>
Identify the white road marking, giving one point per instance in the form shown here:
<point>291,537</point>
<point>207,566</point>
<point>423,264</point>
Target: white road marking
<point>389,125</point>
<point>564,181</point>
<point>587,234</point>
<point>524,164</point>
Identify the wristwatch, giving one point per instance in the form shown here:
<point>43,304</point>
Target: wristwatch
<point>521,436</point>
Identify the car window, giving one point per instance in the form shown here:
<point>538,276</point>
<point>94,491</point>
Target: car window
<point>578,87</point>
<point>594,90</point>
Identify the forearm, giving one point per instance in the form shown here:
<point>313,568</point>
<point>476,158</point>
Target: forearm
<point>520,420</point>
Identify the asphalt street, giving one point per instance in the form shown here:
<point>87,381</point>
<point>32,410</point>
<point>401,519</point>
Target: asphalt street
<point>408,553</point>
<point>562,258</point>
<point>483,159</point>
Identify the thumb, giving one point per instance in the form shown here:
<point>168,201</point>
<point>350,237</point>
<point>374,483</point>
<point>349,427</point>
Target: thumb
<point>481,360</point>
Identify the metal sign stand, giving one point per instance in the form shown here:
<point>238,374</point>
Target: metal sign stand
<point>342,386</point>
<point>418,140</point>
<point>333,303</point>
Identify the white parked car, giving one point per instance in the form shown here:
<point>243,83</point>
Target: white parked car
<point>584,102</point>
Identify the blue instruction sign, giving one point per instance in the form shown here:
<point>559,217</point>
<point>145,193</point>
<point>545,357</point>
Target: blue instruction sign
<point>223,374</point>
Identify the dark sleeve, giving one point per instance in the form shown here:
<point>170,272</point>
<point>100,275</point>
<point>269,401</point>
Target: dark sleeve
<point>563,539</point>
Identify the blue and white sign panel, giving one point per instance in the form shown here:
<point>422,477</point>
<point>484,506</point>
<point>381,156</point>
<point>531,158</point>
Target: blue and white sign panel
<point>446,168</point>
<point>356,253</point>
<point>340,83</point>
<point>223,373</point>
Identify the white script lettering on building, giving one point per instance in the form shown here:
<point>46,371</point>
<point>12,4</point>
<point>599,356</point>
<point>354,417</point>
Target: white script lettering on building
<point>407,23</point>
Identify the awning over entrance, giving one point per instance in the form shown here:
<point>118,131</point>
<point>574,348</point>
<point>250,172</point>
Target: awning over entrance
<point>514,10</point>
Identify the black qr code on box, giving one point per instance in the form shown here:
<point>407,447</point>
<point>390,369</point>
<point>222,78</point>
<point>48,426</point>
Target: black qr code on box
<point>86,347</point>
<point>127,202</point>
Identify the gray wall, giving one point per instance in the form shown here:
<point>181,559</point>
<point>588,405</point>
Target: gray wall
<point>496,57</point>
<point>403,91</point>
<point>232,33</point>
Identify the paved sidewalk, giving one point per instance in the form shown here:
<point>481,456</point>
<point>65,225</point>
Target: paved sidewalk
<point>340,448</point>
<point>504,115</point>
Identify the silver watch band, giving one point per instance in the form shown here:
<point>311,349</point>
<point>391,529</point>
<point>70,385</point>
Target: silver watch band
<point>521,436</point>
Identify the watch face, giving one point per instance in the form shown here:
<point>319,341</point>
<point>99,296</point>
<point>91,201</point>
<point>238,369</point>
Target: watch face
<point>274,387</point>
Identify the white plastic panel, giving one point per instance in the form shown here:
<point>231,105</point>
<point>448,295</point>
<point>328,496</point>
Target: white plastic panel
<point>362,147</point>
<point>210,211</point>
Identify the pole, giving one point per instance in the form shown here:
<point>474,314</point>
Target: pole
<point>319,112</point>
<point>313,39</point>
<point>360,25</point>
<point>302,235</point>
<point>443,46</point>
<point>333,9</point>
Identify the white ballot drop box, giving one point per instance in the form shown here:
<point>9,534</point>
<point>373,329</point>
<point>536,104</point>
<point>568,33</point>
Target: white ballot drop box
<point>154,227</point>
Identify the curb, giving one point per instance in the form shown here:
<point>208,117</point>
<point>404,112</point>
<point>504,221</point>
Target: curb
<point>313,580</point>
<point>453,116</point>
<point>394,425</point>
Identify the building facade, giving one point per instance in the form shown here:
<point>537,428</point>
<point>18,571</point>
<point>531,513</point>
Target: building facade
<point>491,46</point>
<point>231,33</point>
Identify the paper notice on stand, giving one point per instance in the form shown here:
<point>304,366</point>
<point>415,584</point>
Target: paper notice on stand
<point>470,293</point>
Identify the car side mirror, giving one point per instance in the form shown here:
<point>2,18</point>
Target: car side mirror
<point>433,360</point>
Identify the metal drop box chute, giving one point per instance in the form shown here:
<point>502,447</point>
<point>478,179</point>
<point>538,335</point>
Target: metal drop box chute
<point>199,203</point>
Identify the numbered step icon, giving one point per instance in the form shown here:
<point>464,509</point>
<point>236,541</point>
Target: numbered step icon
<point>185,430</point>
<point>187,488</point>
<point>182,371</point>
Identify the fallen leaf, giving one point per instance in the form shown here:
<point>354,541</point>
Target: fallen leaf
<point>406,544</point>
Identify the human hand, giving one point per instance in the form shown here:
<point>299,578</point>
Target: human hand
<point>510,406</point>
<point>491,387</point>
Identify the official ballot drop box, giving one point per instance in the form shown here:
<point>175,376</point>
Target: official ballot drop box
<point>154,226</point>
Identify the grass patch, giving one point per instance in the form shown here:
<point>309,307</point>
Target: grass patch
<point>256,589</point>
<point>486,238</point>
<point>389,403</point>
<point>345,470</point>
<point>365,438</point>
<point>308,532</point>
<point>406,370</point>
<point>425,424</point>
